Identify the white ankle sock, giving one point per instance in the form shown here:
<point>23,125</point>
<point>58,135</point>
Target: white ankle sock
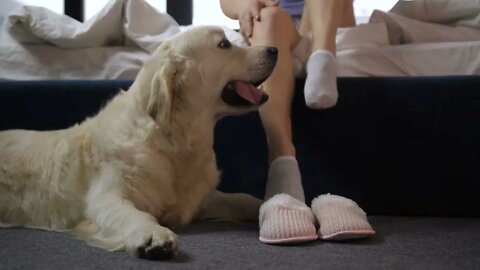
<point>284,177</point>
<point>321,83</point>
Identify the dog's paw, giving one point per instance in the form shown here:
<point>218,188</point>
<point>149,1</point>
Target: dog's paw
<point>158,244</point>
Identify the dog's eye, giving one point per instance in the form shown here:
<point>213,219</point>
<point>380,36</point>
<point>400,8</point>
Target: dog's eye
<point>224,44</point>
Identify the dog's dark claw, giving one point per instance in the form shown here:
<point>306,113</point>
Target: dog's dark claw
<point>160,252</point>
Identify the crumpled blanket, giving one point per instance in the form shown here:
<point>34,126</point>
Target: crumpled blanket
<point>130,23</point>
<point>39,44</point>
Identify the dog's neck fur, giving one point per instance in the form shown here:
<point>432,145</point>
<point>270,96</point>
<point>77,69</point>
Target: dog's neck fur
<point>176,137</point>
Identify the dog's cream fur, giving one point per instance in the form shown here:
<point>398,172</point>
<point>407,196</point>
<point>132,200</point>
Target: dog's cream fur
<point>145,159</point>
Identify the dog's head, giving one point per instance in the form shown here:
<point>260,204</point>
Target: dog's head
<point>201,71</point>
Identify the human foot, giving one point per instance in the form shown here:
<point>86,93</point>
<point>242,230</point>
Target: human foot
<point>321,83</point>
<point>285,220</point>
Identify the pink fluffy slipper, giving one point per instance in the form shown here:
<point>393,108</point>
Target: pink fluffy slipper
<point>284,220</point>
<point>340,218</point>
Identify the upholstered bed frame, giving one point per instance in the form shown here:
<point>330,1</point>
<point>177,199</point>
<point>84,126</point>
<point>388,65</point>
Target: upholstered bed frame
<point>397,146</point>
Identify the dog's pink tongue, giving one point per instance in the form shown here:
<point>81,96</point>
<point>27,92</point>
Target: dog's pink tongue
<point>248,92</point>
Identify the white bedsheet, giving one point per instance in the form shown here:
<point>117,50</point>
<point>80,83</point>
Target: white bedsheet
<point>366,50</point>
<point>426,59</point>
<point>37,44</point>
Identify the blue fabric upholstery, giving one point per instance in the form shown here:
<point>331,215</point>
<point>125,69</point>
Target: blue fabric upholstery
<point>407,146</point>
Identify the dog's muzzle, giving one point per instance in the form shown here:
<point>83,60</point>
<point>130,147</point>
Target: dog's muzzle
<point>241,93</point>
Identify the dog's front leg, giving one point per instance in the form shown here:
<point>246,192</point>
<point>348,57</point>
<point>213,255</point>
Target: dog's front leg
<point>120,226</point>
<point>230,206</point>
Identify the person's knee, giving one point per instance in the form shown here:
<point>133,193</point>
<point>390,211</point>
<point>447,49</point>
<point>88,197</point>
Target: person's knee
<point>275,26</point>
<point>274,16</point>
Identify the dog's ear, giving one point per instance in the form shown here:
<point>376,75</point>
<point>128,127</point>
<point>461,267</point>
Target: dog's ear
<point>165,88</point>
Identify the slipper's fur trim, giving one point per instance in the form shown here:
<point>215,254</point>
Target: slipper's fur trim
<point>327,199</point>
<point>287,202</point>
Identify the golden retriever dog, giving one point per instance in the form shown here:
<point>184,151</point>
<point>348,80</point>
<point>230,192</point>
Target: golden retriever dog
<point>145,162</point>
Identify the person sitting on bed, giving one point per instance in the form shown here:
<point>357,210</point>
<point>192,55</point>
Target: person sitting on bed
<point>284,217</point>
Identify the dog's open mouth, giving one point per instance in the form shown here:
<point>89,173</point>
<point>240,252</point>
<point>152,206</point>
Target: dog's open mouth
<point>240,93</point>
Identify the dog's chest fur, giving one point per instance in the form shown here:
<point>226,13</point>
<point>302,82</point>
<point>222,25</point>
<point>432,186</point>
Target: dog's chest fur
<point>170,186</point>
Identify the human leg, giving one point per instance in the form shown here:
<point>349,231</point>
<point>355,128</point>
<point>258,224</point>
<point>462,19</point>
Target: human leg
<point>348,16</point>
<point>283,218</point>
<point>339,218</point>
<point>322,18</point>
<point>275,28</point>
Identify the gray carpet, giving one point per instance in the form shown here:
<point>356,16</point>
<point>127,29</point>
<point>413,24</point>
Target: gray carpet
<point>400,243</point>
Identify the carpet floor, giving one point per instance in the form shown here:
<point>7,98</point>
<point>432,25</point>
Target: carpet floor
<point>400,243</point>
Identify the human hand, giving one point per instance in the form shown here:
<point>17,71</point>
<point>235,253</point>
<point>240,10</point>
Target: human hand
<point>249,10</point>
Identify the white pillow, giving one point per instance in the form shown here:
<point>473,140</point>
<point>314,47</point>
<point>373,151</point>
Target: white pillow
<point>8,5</point>
<point>362,35</point>
<point>5,7</point>
<point>452,12</point>
<point>403,30</point>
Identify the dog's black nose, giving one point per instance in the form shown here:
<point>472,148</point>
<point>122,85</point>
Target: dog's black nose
<point>272,50</point>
